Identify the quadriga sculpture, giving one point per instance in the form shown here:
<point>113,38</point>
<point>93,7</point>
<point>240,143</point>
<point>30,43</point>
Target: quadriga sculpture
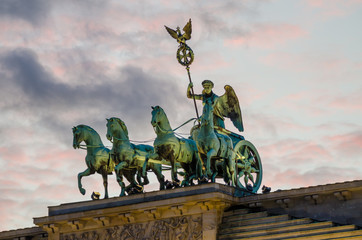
<point>216,148</point>
<point>129,156</point>
<point>98,157</point>
<point>174,150</point>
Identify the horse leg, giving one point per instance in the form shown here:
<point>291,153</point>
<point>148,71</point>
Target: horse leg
<point>144,167</point>
<point>120,179</point>
<point>87,172</point>
<point>209,155</point>
<point>215,172</point>
<point>145,180</point>
<point>130,176</point>
<point>121,183</point>
<point>157,170</point>
<point>187,177</point>
<point>200,169</point>
<point>225,172</point>
<point>232,171</point>
<point>246,179</point>
<point>105,183</point>
<point>175,180</point>
<point>251,178</point>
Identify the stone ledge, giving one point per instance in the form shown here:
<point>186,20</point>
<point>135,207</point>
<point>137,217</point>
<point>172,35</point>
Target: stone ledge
<point>25,232</point>
<point>197,208</point>
<point>141,198</point>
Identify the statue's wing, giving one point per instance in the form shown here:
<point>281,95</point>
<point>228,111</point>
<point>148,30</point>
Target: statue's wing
<point>188,30</point>
<point>228,106</point>
<point>172,32</point>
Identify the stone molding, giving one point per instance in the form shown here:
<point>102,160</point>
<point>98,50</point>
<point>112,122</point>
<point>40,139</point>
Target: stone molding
<point>185,213</point>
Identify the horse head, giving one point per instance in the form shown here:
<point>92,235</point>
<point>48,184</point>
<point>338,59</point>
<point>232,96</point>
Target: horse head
<point>116,128</point>
<point>156,115</point>
<point>159,120</point>
<point>207,113</point>
<point>78,136</point>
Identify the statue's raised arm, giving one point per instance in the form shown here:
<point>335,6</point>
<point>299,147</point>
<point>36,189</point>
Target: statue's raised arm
<point>228,106</point>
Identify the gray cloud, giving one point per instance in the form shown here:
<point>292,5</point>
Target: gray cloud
<point>32,11</point>
<point>58,105</point>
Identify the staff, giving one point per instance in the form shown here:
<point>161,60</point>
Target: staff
<point>185,55</point>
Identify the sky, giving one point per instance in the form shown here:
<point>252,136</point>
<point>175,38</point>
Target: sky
<point>295,66</point>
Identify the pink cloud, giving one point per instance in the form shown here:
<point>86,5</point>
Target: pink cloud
<point>267,36</point>
<point>334,8</point>
<point>328,64</point>
<point>293,152</point>
<point>13,156</point>
<point>347,145</point>
<point>352,102</point>
<point>292,178</point>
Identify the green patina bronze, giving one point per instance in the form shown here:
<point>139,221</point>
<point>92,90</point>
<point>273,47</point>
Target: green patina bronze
<point>248,165</point>
<point>214,147</point>
<point>173,149</point>
<point>225,106</point>
<point>98,158</point>
<point>129,156</point>
<point>211,152</point>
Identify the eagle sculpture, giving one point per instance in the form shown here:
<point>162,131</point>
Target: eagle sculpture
<point>176,34</point>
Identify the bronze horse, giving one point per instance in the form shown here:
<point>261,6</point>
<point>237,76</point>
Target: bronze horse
<point>215,148</point>
<point>129,156</point>
<point>97,158</point>
<point>174,150</point>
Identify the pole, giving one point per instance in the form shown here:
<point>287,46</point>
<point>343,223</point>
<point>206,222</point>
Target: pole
<point>193,95</point>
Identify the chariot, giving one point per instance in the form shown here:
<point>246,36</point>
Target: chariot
<point>248,167</point>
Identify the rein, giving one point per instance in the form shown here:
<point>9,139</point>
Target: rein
<point>132,141</point>
<point>173,130</point>
<point>82,146</point>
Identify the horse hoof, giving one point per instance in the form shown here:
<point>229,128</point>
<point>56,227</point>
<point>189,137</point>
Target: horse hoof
<point>135,190</point>
<point>203,180</point>
<point>249,187</point>
<point>82,191</point>
<point>168,184</point>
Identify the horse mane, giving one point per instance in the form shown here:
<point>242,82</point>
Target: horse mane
<point>86,127</point>
<point>91,130</point>
<point>123,126</point>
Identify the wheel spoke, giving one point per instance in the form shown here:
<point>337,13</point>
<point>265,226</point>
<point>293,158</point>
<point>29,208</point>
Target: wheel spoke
<point>246,153</point>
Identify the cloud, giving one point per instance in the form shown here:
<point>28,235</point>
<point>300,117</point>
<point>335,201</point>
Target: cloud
<point>350,103</point>
<point>295,178</point>
<point>334,8</point>
<point>346,145</point>
<point>33,11</point>
<point>131,92</point>
<point>267,36</point>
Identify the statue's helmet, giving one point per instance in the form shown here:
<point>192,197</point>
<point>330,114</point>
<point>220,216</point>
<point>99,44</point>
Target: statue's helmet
<point>207,82</point>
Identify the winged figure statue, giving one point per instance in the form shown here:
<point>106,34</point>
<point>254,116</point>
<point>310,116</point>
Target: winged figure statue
<point>181,38</point>
<point>225,106</point>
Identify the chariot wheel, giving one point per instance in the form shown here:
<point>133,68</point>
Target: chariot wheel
<point>249,172</point>
<point>185,55</point>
